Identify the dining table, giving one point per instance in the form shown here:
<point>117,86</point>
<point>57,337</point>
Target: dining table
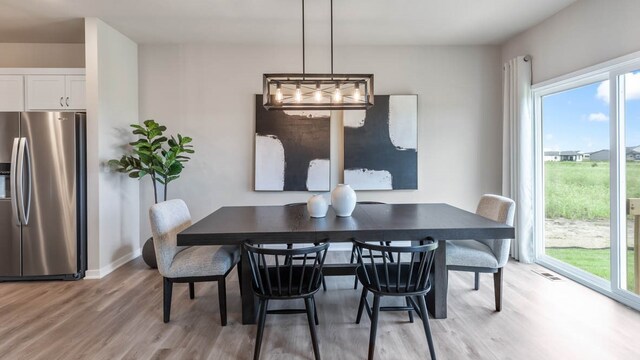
<point>234,225</point>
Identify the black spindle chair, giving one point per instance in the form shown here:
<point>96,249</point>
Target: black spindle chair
<point>290,246</point>
<point>407,277</point>
<point>353,249</point>
<point>277,277</point>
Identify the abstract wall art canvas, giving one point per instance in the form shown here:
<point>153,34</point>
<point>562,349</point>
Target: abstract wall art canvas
<point>292,150</point>
<point>381,144</point>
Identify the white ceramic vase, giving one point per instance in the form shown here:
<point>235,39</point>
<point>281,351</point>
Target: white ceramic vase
<point>343,200</point>
<point>317,206</point>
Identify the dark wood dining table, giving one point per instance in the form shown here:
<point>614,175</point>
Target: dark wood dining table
<point>233,225</point>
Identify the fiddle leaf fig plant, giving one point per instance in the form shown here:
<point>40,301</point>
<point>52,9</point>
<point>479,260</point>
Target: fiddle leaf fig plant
<point>156,155</point>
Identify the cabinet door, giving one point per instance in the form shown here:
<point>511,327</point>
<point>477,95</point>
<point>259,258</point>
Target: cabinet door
<point>11,93</point>
<point>45,92</point>
<point>75,98</point>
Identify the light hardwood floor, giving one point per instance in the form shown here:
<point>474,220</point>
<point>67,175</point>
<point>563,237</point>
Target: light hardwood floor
<point>120,317</point>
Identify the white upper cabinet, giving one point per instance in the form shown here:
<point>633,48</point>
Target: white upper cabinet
<point>55,92</point>
<point>45,92</point>
<point>12,93</point>
<point>75,86</point>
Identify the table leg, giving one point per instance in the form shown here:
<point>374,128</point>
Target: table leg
<point>246,291</point>
<point>437,297</point>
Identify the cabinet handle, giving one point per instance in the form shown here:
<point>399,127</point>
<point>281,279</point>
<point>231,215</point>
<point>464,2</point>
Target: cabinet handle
<point>67,101</point>
<point>61,104</point>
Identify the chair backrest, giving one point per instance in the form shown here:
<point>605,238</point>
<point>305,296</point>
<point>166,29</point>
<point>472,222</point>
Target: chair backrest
<point>275,272</point>
<point>500,209</point>
<point>408,274</point>
<point>167,220</point>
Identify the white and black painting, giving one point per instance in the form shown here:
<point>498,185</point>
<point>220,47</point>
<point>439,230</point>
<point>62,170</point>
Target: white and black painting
<point>381,144</point>
<point>292,150</point>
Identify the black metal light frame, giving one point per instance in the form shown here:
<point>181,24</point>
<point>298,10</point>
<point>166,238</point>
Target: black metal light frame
<point>302,91</point>
<point>317,91</point>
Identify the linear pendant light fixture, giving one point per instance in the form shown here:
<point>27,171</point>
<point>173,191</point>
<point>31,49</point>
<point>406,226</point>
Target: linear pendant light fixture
<point>317,91</point>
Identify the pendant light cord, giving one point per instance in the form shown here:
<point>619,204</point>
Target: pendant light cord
<point>331,2</point>
<point>303,57</point>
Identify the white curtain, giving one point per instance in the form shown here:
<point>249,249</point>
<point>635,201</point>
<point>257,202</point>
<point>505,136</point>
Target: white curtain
<point>517,152</point>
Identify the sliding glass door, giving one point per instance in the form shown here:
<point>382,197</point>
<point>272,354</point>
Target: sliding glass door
<point>628,110</point>
<point>577,186</point>
<point>588,178</point>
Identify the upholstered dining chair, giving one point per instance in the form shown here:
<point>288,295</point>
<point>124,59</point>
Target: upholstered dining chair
<point>485,256</point>
<point>187,264</point>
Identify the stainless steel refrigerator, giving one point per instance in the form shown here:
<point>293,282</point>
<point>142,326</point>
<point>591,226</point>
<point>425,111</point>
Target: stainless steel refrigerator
<point>42,195</point>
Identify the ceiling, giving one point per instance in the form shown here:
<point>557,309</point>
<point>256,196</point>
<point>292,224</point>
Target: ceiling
<point>366,22</point>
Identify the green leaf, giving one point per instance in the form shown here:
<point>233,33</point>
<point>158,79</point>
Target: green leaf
<point>150,123</point>
<point>159,140</point>
<point>175,169</point>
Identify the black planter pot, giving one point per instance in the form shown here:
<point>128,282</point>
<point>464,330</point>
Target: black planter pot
<point>149,254</point>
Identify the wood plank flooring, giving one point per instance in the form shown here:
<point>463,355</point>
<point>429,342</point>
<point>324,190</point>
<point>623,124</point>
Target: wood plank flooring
<point>120,317</point>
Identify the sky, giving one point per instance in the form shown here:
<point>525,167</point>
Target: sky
<point>578,119</point>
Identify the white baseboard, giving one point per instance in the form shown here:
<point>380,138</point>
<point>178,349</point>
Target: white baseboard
<point>109,268</point>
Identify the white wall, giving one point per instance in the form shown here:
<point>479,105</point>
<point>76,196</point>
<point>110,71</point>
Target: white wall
<point>112,104</point>
<point>207,92</point>
<point>584,34</point>
<point>22,55</point>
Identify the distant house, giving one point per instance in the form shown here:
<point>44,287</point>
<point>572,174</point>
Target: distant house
<point>600,155</point>
<point>552,156</point>
<point>570,156</point>
<point>633,153</point>
<point>563,156</point>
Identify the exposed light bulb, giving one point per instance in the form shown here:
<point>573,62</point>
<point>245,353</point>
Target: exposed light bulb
<point>356,92</point>
<point>337,95</point>
<point>298,95</point>
<point>318,93</point>
<point>278,93</point>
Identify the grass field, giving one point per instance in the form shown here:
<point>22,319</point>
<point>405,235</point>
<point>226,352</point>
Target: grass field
<point>594,261</point>
<point>580,190</point>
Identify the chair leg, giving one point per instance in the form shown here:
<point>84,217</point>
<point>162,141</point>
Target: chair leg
<point>324,284</point>
<point>239,269</point>
<point>476,281</point>
<point>374,325</point>
<point>222,300</point>
<point>167,290</point>
<point>363,298</point>
<point>262,314</point>
<point>410,312</point>
<point>192,291</point>
<point>427,328</point>
<point>497,288</point>
<point>309,305</point>
<point>353,257</point>
<point>315,310</point>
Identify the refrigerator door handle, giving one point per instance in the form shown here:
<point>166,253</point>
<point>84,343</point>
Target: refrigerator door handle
<point>12,180</point>
<point>24,201</point>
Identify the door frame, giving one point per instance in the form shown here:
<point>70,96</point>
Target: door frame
<point>609,70</point>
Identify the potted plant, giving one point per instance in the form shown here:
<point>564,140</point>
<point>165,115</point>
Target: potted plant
<point>158,156</point>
